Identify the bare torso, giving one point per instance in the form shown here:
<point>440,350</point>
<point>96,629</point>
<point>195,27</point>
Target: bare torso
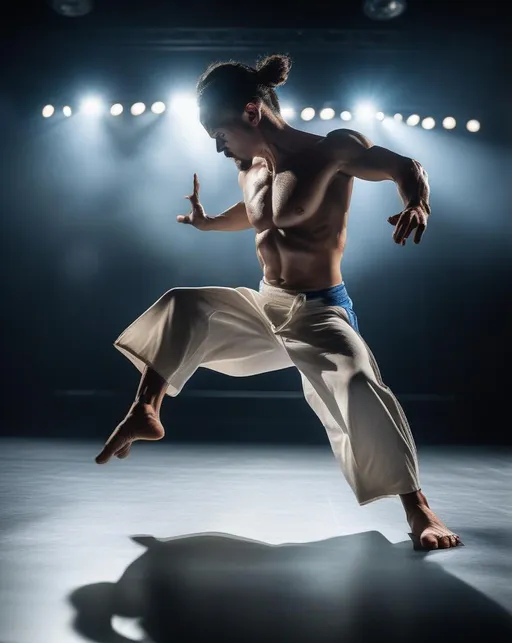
<point>308,189</point>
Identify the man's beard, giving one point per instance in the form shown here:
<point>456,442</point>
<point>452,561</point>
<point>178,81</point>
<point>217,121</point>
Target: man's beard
<point>242,164</point>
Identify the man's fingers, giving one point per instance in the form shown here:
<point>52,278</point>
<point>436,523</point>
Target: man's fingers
<point>419,232</point>
<point>394,219</point>
<point>183,218</point>
<point>400,229</point>
<point>196,187</point>
<point>410,227</point>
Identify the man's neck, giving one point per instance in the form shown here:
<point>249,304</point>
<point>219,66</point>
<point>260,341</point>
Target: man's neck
<point>281,141</point>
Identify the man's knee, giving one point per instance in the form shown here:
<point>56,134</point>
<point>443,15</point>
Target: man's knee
<point>189,300</point>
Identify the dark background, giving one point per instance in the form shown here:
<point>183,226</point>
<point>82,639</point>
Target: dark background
<point>88,212</point>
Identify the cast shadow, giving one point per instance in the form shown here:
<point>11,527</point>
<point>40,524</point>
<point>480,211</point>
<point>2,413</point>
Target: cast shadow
<point>354,589</point>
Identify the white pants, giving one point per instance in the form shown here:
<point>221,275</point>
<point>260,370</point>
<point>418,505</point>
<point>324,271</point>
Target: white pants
<point>240,332</point>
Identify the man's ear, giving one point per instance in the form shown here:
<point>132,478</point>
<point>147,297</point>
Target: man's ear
<point>252,114</point>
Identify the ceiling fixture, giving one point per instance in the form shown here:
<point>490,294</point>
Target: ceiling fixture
<point>384,9</point>
<point>72,8</point>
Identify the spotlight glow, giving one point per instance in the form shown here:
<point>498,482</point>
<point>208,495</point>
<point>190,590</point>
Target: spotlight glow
<point>116,110</point>
<point>185,106</point>
<point>379,116</point>
<point>91,106</point>
<point>307,114</point>
<point>428,123</point>
<point>365,112</point>
<point>327,113</point>
<point>137,109</point>
<point>67,111</point>
<point>449,122</point>
<point>473,125</point>
<point>288,112</point>
<point>158,107</point>
<point>398,117</point>
<point>413,120</point>
<point>48,110</point>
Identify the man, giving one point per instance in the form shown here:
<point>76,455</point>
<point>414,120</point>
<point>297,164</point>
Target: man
<point>296,191</point>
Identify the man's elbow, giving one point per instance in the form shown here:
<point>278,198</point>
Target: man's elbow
<point>408,169</point>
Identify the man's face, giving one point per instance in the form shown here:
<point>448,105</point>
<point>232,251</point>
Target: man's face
<point>234,136</point>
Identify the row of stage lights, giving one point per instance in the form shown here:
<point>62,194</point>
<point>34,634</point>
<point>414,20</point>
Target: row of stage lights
<point>187,106</point>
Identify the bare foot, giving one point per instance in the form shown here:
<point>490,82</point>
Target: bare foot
<point>429,531</point>
<point>141,423</point>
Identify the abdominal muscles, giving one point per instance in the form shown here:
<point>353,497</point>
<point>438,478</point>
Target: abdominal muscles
<point>292,262</point>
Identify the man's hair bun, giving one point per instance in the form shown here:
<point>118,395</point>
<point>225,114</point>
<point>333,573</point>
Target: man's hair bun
<point>273,70</point>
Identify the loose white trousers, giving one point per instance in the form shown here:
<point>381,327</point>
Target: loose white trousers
<point>240,332</point>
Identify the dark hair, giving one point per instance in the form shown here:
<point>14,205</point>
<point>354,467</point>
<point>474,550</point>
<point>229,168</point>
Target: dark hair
<point>233,84</point>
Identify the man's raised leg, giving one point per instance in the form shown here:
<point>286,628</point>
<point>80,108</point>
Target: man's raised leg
<point>223,329</point>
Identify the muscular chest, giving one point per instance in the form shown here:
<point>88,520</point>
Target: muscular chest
<point>300,187</point>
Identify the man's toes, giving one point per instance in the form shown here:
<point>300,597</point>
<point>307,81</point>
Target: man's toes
<point>445,542</point>
<point>429,541</point>
<point>104,456</point>
<point>109,450</point>
<point>124,452</point>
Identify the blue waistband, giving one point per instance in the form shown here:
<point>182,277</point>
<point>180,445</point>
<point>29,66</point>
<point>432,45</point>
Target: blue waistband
<point>334,296</point>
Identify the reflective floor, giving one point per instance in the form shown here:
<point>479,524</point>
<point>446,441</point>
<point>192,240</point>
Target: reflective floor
<point>244,544</point>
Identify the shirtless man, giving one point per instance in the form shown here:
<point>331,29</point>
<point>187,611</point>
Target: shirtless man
<point>296,192</point>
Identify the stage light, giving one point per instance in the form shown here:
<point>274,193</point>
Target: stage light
<point>449,122</point>
<point>91,106</point>
<point>384,9</point>
<point>67,111</point>
<point>345,116</point>
<point>473,125</point>
<point>365,112</point>
<point>116,109</point>
<point>185,106</point>
<point>428,123</point>
<point>48,110</point>
<point>137,109</point>
<point>379,116</point>
<point>413,120</point>
<point>327,113</point>
<point>398,117</point>
<point>158,107</point>
<point>288,112</point>
<point>307,114</point>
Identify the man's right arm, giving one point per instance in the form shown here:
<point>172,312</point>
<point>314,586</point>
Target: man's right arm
<point>232,220</point>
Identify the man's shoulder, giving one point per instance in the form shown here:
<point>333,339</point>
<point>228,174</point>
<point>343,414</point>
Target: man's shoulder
<point>347,137</point>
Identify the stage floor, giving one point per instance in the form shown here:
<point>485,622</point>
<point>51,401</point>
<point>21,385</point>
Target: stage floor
<point>241,544</point>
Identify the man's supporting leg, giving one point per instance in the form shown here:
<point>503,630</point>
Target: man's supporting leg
<point>367,428</point>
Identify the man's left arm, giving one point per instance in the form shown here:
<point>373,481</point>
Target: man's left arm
<point>358,157</point>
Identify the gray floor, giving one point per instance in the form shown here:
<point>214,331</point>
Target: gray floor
<point>244,544</point>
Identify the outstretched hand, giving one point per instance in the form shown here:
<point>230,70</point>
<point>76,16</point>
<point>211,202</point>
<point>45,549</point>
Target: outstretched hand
<point>197,217</point>
<point>412,218</point>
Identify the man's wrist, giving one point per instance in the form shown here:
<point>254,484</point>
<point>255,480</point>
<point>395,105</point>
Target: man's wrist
<point>425,205</point>
<point>419,203</point>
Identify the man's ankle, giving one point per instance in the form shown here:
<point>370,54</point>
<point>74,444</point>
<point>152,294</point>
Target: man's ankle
<point>413,500</point>
<point>141,405</point>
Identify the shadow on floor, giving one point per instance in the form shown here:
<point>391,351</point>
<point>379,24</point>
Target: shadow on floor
<point>351,589</point>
